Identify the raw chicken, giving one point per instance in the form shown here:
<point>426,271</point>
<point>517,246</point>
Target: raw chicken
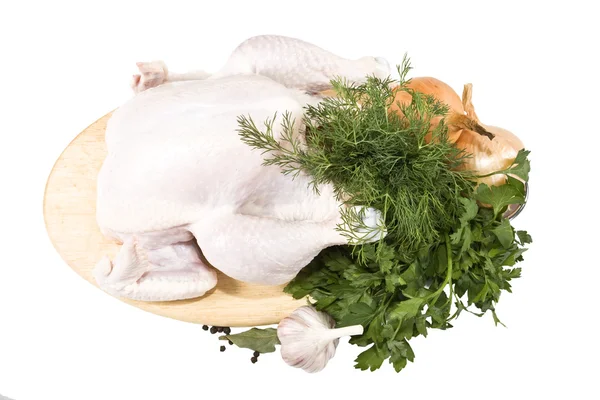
<point>177,177</point>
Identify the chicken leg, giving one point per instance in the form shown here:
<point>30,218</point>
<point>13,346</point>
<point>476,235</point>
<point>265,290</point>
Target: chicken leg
<point>289,61</point>
<point>240,245</point>
<point>158,266</point>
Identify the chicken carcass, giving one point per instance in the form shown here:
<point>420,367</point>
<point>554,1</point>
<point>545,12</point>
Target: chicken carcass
<point>184,194</point>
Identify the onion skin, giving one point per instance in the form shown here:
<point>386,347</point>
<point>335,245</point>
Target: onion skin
<point>438,89</point>
<point>487,156</point>
<point>509,137</point>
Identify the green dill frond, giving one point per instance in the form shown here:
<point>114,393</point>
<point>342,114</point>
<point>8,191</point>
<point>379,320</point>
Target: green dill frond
<point>376,158</point>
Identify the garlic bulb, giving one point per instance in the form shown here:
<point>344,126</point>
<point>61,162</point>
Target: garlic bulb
<point>308,340</point>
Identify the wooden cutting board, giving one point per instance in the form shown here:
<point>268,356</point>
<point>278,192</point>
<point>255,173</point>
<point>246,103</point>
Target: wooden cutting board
<point>70,215</point>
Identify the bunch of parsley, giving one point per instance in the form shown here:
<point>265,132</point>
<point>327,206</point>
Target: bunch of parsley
<point>444,253</point>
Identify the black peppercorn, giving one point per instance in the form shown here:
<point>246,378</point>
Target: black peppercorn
<point>219,329</point>
<point>222,348</point>
<point>256,354</point>
<point>227,330</point>
<point>254,360</point>
<point>230,342</point>
<point>213,330</point>
<point>205,327</point>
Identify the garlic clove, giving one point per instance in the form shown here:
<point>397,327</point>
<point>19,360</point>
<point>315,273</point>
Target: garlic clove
<point>308,340</point>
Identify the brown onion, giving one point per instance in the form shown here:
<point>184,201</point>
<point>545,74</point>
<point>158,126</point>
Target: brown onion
<point>456,118</point>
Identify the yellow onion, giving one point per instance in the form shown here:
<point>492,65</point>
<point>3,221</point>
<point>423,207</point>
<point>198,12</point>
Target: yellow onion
<point>456,119</point>
<point>442,92</point>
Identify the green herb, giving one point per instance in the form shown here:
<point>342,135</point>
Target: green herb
<point>261,340</point>
<point>374,158</point>
<point>397,299</point>
<point>444,254</point>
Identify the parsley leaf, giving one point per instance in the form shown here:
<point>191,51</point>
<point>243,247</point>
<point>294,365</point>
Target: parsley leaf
<point>520,166</point>
<point>371,358</point>
<point>505,233</point>
<point>358,314</point>
<point>499,196</point>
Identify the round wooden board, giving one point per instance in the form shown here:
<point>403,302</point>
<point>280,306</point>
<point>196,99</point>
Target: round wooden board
<point>70,215</point>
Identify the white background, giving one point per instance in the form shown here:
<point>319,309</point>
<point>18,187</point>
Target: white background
<point>535,72</point>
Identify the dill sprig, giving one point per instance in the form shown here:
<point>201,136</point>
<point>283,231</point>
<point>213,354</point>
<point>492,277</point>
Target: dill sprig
<point>374,158</point>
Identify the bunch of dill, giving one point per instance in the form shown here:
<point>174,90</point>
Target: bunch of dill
<point>375,158</point>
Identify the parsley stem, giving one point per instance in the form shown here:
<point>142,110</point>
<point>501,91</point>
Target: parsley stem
<point>449,255</point>
<point>503,171</point>
<point>448,278</point>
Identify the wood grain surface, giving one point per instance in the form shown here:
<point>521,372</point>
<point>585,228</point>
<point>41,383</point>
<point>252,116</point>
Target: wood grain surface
<point>70,215</point>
